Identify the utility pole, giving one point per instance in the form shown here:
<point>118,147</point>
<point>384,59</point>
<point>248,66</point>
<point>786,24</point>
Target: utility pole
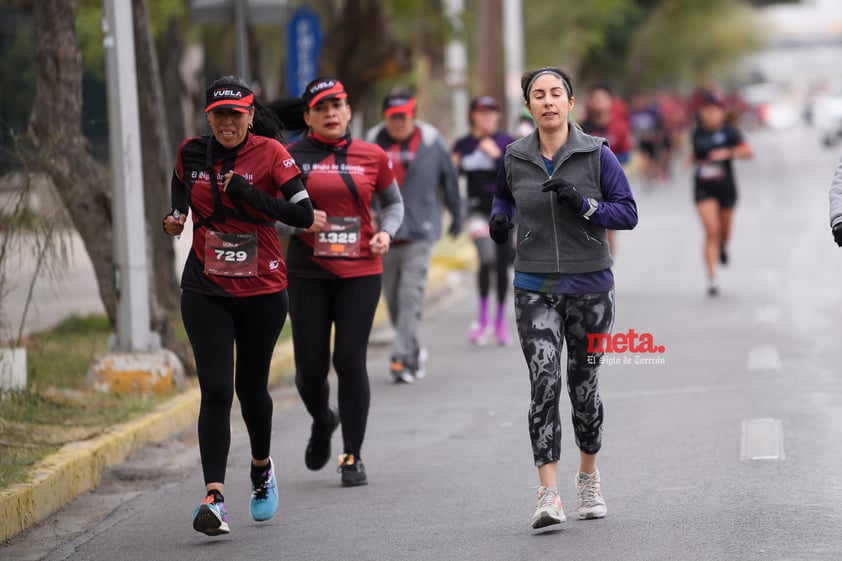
<point>456,67</point>
<point>241,21</point>
<point>135,363</point>
<point>513,59</point>
<point>130,274</point>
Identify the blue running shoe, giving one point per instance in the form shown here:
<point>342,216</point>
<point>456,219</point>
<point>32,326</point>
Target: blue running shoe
<point>264,495</point>
<point>211,517</point>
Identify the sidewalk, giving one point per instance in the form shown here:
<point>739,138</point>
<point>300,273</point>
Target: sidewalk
<point>77,467</point>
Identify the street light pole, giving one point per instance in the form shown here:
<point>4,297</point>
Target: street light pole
<point>131,281</point>
<point>241,21</point>
<point>513,58</point>
<point>456,66</point>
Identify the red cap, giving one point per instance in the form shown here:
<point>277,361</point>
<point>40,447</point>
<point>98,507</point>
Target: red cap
<point>323,88</point>
<point>399,105</point>
<point>485,102</point>
<point>229,96</point>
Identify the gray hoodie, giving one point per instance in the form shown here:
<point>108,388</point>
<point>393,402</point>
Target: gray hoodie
<point>836,196</point>
<point>430,181</point>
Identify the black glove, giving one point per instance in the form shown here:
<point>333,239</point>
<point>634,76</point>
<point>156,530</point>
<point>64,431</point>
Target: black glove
<point>566,193</point>
<point>837,234</point>
<point>498,228</point>
<point>237,185</point>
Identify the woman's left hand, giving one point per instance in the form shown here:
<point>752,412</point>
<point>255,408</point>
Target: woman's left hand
<point>380,243</point>
<point>227,179</point>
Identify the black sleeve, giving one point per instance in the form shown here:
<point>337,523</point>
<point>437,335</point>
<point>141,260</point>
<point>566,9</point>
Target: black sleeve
<point>178,195</point>
<point>294,209</point>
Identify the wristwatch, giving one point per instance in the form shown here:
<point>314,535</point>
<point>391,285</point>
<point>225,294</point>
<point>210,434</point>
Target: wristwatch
<point>592,206</point>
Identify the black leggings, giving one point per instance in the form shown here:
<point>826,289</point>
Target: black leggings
<point>216,326</point>
<point>497,258</point>
<point>544,323</point>
<point>348,305</point>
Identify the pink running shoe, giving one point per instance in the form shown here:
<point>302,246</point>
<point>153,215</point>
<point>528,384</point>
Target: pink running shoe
<point>479,334</point>
<point>502,335</point>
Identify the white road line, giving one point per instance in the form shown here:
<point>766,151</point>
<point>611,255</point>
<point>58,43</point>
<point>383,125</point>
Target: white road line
<point>762,439</point>
<point>763,358</point>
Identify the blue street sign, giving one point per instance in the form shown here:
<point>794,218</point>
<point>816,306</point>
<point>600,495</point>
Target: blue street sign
<point>304,41</point>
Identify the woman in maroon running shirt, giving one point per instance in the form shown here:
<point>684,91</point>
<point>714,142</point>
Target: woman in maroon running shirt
<point>236,184</point>
<point>335,270</point>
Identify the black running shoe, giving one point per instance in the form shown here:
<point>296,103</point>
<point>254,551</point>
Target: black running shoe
<point>318,448</point>
<point>352,470</point>
<point>723,255</point>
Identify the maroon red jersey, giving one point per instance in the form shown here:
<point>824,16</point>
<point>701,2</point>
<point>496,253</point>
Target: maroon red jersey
<point>266,165</point>
<point>341,180</point>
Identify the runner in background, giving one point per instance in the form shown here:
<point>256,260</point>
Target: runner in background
<point>236,182</point>
<point>674,121</point>
<point>647,129</point>
<point>607,116</point>
<point>428,182</point>
<point>715,144</point>
<point>335,270</point>
<point>477,156</point>
<point>603,118</point>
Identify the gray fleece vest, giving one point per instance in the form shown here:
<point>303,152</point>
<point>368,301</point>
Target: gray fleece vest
<point>551,238</point>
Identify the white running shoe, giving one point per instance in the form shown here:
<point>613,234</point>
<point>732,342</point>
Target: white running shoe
<point>479,334</point>
<point>549,509</point>
<point>421,372</point>
<point>591,503</point>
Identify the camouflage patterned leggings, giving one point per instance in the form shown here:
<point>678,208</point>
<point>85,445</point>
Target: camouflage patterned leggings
<point>542,321</point>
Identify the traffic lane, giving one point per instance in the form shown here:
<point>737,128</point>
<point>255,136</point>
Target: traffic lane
<point>780,295</point>
<point>454,480</point>
<point>451,472</point>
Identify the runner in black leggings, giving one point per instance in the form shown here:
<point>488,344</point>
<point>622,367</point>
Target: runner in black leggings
<point>477,155</point>
<point>563,188</point>
<point>349,304</point>
<point>335,270</point>
<point>254,324</point>
<point>236,184</point>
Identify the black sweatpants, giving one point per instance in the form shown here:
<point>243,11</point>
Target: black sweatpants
<point>216,327</point>
<point>348,305</point>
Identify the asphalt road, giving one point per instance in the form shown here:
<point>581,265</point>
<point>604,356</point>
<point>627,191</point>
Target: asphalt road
<point>727,448</point>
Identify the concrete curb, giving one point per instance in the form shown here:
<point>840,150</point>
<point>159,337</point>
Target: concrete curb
<point>77,467</point>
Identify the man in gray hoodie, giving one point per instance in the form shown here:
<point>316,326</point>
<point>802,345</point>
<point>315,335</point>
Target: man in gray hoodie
<point>428,182</point>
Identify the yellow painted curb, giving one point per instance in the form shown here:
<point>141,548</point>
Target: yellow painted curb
<point>77,467</point>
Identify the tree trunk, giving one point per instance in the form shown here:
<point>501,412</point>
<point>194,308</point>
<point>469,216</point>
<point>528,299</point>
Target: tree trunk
<point>489,51</point>
<point>361,59</point>
<point>55,129</point>
<point>157,158</point>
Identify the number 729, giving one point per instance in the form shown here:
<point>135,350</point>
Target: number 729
<point>230,255</point>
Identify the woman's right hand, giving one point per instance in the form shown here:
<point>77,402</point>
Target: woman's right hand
<point>174,226</point>
<point>319,220</point>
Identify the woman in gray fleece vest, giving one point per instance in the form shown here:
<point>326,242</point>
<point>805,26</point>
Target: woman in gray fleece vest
<point>563,188</point>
